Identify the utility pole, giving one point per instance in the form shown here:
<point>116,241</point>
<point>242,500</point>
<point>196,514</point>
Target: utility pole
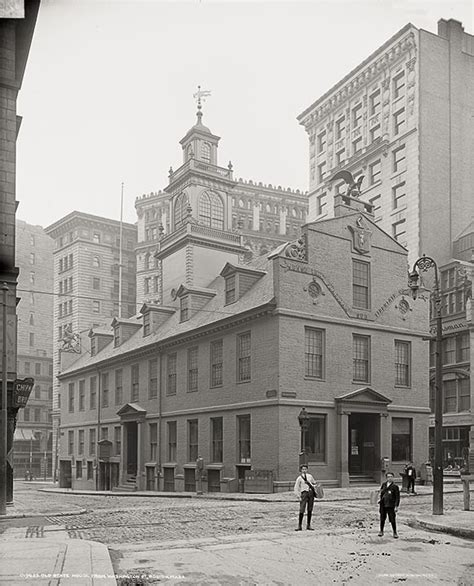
<point>120,253</point>
<point>4,419</point>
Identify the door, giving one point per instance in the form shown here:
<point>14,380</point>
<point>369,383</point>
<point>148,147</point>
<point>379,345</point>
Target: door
<point>363,433</point>
<point>65,474</point>
<point>132,443</point>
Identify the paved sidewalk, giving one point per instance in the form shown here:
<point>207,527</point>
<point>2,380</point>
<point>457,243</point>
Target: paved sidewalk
<point>457,523</point>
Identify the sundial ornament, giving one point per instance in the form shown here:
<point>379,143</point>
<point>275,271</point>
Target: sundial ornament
<point>360,236</point>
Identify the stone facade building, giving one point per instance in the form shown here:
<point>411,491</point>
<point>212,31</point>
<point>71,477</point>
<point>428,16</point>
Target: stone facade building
<point>403,119</point>
<point>220,371</point>
<point>87,285</point>
<point>265,215</point>
<point>33,436</point>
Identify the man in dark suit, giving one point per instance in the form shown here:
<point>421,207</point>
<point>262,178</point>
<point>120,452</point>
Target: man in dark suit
<point>389,501</point>
<point>410,471</point>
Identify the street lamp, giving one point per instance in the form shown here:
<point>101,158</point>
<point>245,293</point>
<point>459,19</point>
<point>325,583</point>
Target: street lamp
<point>424,264</point>
<point>303,419</point>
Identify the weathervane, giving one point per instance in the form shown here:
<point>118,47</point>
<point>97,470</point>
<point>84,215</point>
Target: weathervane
<point>200,95</point>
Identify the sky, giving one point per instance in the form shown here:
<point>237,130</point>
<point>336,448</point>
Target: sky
<point>108,89</point>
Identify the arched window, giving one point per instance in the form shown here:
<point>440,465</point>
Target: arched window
<point>189,152</point>
<point>96,262</point>
<point>180,212</point>
<point>206,152</point>
<point>211,210</point>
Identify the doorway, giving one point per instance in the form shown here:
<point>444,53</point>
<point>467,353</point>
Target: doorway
<point>65,474</point>
<point>363,443</point>
<point>132,444</point>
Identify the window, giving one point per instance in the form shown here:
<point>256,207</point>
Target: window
<point>90,470</point>
<point>171,375</point>
<point>93,346</point>
<point>37,415</point>
<point>321,141</point>
<point>398,84</point>
<point>32,319</point>
<point>26,413</point>
<point>71,398</point>
<point>96,306</point>
<point>230,290</point>
<point>206,152</point>
<point>93,392</point>
<point>96,237</point>
<point>340,156</point>
<point>321,203</point>
<point>374,103</point>
<point>217,438</point>
<point>375,202</point>
<point>399,195</point>
<point>32,277</point>
<point>180,210</point>
<point>92,441</point>
<point>399,121</point>
<point>243,357</point>
<point>399,159</point>
<point>356,115</point>
<point>193,450</point>
<point>80,447</point>
<point>95,283</point>
<point>462,347</point>
<point>316,438</point>
<point>152,379</point>
<point>356,145</point>
<point>27,368</point>
<point>71,261</point>
<point>153,430</point>
<point>448,278</point>
<point>70,442</point>
<point>216,363</point>
<point>375,172</point>
<point>401,439</point>
<point>464,394</point>
<point>105,389</point>
<point>172,437</point>
<point>156,284</point>
<point>32,339</point>
<point>449,350</point>
<point>314,352</point>
<point>82,395</point>
<point>146,284</point>
<point>96,262</point>
<point>118,386</point>
<point>360,360</point>
<point>193,369</point>
<point>321,171</point>
<point>243,428</point>
<point>211,210</point>
<point>375,133</point>
<point>104,433</point>
<point>37,392</point>
<point>78,468</point>
<point>449,396</point>
<point>399,230</point>
<point>32,258</point>
<point>135,383</point>
<point>184,308</point>
<point>340,127</point>
<point>361,284</point>
<point>402,363</point>
<point>146,324</point>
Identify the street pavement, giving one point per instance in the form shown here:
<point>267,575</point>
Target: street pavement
<point>209,539</point>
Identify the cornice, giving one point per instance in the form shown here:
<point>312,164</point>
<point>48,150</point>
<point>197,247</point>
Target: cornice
<point>376,65</point>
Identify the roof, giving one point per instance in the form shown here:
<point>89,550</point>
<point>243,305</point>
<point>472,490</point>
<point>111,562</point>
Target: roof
<point>212,313</point>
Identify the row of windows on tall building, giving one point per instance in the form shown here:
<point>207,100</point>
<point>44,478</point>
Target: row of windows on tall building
<point>40,368</point>
<point>455,349</point>
<point>96,236</point>
<point>35,415</point>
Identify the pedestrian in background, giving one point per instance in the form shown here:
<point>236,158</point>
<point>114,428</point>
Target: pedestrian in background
<point>410,471</point>
<point>389,501</point>
<point>305,491</point>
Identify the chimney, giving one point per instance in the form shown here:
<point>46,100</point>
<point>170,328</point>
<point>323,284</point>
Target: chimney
<point>346,204</point>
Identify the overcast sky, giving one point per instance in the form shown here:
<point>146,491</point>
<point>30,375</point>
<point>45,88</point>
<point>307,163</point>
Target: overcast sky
<point>108,90</point>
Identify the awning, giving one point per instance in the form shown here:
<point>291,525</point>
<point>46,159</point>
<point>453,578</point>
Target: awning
<point>24,435</point>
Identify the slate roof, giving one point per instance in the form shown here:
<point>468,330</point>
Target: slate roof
<point>211,313</point>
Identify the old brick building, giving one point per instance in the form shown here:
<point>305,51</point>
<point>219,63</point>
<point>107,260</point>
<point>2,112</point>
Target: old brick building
<point>223,368</point>
<point>33,435</point>
<point>403,118</point>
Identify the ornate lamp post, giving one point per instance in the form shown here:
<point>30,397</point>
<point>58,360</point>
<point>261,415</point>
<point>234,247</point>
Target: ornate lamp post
<point>303,419</point>
<point>424,264</point>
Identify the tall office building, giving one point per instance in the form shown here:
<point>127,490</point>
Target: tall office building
<point>33,435</point>
<point>404,118</point>
<point>88,252</point>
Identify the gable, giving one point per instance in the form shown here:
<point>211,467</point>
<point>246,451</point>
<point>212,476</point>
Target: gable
<point>364,395</point>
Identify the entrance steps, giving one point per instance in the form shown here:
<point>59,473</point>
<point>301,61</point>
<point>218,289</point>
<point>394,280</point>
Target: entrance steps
<point>130,485</point>
<point>361,479</point>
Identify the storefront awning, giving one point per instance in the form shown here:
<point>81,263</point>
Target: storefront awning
<point>24,435</point>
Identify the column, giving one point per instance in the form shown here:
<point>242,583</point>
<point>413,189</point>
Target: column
<point>256,216</point>
<point>344,449</point>
<point>384,442</point>
<point>122,471</point>
<point>140,462</point>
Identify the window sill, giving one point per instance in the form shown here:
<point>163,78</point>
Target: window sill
<point>361,382</point>
<point>243,382</point>
<point>402,386</point>
<point>315,378</point>
<point>214,466</point>
<point>216,386</point>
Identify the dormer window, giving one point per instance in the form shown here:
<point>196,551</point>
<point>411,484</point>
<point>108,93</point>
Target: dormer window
<point>116,336</point>
<point>146,324</point>
<point>93,346</point>
<point>184,308</point>
<point>230,290</point>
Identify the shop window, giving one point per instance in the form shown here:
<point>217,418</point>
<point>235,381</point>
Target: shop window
<point>316,438</point>
<point>401,439</point>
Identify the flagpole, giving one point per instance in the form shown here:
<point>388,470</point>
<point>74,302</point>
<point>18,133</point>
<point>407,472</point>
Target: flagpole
<point>120,253</point>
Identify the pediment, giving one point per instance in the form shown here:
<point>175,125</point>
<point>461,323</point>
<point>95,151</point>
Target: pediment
<point>364,395</point>
<point>131,410</point>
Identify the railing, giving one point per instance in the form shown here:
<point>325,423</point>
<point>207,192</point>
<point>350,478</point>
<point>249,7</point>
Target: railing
<point>199,230</point>
<point>200,166</point>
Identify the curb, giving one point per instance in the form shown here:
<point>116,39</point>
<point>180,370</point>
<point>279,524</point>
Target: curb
<point>47,514</point>
<point>455,531</point>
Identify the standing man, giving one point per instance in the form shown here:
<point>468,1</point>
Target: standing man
<point>389,501</point>
<point>410,471</point>
<point>304,490</point>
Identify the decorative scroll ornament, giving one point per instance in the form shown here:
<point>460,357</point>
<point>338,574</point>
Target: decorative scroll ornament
<point>296,250</point>
<point>360,236</point>
<point>314,290</point>
<point>71,342</point>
